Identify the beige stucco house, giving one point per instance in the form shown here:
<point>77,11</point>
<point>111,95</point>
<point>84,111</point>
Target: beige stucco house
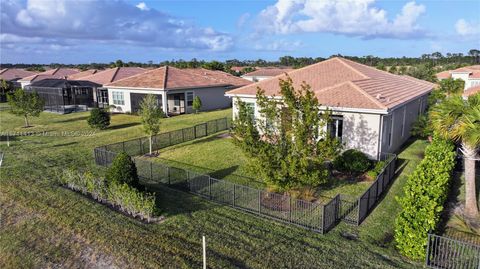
<point>175,89</point>
<point>469,74</point>
<point>373,110</point>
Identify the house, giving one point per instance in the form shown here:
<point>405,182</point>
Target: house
<point>14,74</point>
<point>100,94</point>
<point>372,110</point>
<point>175,89</point>
<point>82,74</point>
<point>62,95</point>
<point>469,74</point>
<point>56,73</point>
<point>265,73</point>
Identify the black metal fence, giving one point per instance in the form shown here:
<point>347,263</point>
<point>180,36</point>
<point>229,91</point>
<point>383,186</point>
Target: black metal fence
<point>354,211</point>
<point>140,146</point>
<point>444,252</point>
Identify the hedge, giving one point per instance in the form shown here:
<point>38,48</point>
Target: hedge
<point>120,195</point>
<point>425,193</point>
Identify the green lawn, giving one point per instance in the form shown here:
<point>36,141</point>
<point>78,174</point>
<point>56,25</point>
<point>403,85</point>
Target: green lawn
<point>219,157</point>
<point>44,225</point>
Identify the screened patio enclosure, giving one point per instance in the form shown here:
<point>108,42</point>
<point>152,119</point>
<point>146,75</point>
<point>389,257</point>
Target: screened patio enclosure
<point>65,96</point>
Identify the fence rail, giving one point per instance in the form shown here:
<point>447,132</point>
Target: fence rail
<point>140,146</point>
<point>444,252</point>
<point>311,215</point>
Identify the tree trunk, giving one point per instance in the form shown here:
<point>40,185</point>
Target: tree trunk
<point>471,207</point>
<point>26,121</point>
<point>151,145</point>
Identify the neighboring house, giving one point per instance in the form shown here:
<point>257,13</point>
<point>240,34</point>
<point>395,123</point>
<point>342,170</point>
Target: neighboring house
<point>14,74</point>
<point>372,110</point>
<point>56,73</point>
<point>471,91</point>
<point>175,89</point>
<point>265,73</point>
<point>64,96</point>
<point>82,74</point>
<point>469,74</point>
<point>100,94</point>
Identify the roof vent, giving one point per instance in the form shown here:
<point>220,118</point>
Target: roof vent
<point>379,96</point>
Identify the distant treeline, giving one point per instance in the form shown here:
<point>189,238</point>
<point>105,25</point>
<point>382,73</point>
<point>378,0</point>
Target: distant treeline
<point>423,67</point>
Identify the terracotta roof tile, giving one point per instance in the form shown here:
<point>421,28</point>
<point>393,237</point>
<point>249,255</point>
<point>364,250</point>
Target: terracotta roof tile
<point>443,75</point>
<point>114,74</point>
<point>343,83</point>
<point>82,74</point>
<point>175,78</point>
<point>15,73</point>
<point>52,73</point>
<point>471,91</point>
<point>268,72</point>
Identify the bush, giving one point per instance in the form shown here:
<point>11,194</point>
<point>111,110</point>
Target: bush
<point>126,198</point>
<point>376,169</point>
<point>123,170</point>
<point>99,119</point>
<point>425,193</point>
<point>421,127</point>
<point>352,161</point>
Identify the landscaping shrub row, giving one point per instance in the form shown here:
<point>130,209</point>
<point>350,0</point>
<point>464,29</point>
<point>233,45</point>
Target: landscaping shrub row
<point>120,195</point>
<point>425,194</point>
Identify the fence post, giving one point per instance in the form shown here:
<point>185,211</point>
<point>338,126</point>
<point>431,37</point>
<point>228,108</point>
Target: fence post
<point>259,201</point>
<point>123,146</point>
<point>151,173</point>
<point>359,209</point>
<point>183,135</point>
<point>169,138</point>
<point>210,187</point>
<point>234,194</point>
<point>206,126</point>
<point>195,131</point>
<point>290,208</point>
<point>428,250</point>
<point>168,175</point>
<point>323,219</point>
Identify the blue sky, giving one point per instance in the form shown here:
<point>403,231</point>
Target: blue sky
<point>82,31</point>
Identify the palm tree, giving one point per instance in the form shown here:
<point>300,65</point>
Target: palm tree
<point>459,120</point>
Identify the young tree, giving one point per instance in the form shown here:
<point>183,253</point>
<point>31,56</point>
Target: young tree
<point>150,114</point>
<point>25,104</point>
<point>287,142</point>
<point>459,120</point>
<point>99,119</point>
<point>452,86</point>
<point>197,104</point>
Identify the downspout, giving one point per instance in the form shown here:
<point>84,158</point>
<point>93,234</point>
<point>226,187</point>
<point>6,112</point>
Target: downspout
<point>379,147</point>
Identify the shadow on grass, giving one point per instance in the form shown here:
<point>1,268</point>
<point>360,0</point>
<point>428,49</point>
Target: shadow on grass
<point>64,144</point>
<point>73,119</point>
<point>121,126</point>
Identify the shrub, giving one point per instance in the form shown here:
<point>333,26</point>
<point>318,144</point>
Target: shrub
<point>197,104</point>
<point>352,161</point>
<point>123,170</point>
<point>99,119</point>
<point>126,198</point>
<point>376,169</point>
<point>421,127</point>
<point>425,193</point>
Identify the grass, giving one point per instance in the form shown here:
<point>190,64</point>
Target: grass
<point>44,225</point>
<point>218,156</point>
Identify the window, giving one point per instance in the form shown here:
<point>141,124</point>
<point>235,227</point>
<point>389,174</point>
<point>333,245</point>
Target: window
<point>403,121</point>
<point>176,100</point>
<point>189,96</point>
<point>118,98</point>
<point>335,127</point>
<point>250,107</point>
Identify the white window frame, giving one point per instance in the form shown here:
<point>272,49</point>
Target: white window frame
<point>186,98</point>
<point>118,101</point>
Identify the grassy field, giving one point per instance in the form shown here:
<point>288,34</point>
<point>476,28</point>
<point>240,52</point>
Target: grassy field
<point>44,225</point>
<point>219,157</point>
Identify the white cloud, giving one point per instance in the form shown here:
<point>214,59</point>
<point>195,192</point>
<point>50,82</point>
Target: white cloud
<point>465,28</point>
<point>278,45</point>
<point>349,17</point>
<point>115,22</point>
<point>142,6</point>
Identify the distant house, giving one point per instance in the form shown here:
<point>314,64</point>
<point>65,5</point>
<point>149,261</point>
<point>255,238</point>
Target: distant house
<point>469,74</point>
<point>265,73</point>
<point>100,94</point>
<point>373,110</point>
<point>14,74</point>
<point>175,89</point>
<point>64,96</point>
<point>56,73</point>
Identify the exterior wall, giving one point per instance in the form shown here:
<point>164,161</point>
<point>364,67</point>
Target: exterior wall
<point>360,130</point>
<point>212,98</point>
<point>472,82</point>
<point>399,123</point>
<point>126,97</point>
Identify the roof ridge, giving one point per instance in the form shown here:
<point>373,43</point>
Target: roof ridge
<point>56,70</point>
<point>342,60</point>
<point>115,73</point>
<point>165,77</point>
<point>3,70</point>
<point>153,70</point>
